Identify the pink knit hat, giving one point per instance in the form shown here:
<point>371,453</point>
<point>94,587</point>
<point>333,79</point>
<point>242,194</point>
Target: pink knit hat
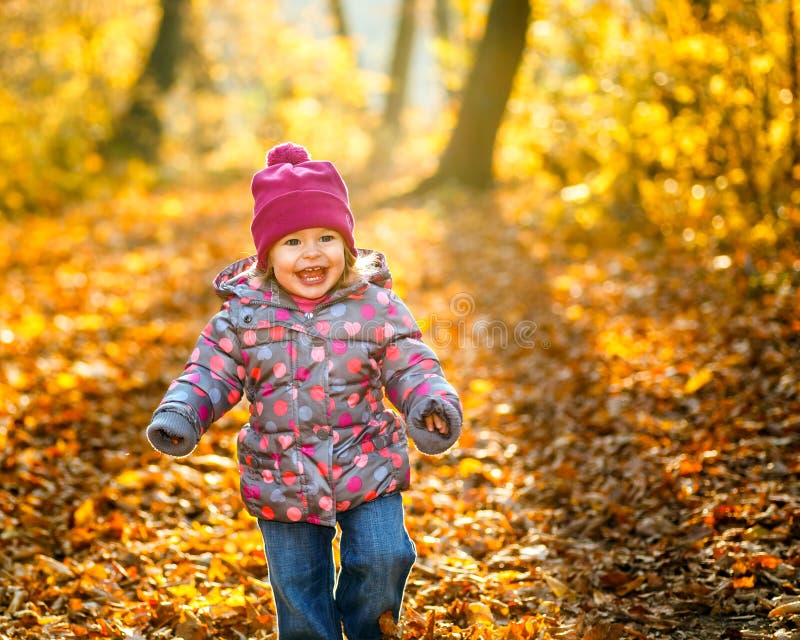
<point>292,193</point>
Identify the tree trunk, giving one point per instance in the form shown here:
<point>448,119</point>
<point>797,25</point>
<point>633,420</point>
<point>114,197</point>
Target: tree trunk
<point>441,19</point>
<point>138,131</point>
<point>339,19</point>
<point>398,81</point>
<point>468,156</point>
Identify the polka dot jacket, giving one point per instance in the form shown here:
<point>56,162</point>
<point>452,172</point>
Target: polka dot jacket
<point>321,438</point>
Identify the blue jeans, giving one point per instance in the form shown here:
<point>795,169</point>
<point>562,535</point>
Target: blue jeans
<point>376,556</point>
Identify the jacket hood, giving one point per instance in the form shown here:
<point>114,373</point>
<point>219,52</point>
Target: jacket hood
<point>237,278</point>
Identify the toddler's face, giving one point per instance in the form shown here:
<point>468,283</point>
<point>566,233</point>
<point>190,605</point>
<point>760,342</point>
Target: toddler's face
<point>308,263</point>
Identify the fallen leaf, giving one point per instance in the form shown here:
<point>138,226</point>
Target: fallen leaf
<point>605,631</point>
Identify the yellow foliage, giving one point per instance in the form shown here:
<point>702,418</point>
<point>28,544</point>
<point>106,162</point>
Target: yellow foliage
<point>608,97</point>
<point>698,380</point>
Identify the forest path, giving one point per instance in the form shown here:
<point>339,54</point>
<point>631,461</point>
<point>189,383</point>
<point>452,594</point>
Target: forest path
<point>629,467</point>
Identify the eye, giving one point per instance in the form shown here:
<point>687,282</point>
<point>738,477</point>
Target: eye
<point>292,242</point>
<point>327,238</point>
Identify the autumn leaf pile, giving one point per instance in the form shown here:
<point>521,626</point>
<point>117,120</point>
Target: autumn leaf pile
<point>629,467</point>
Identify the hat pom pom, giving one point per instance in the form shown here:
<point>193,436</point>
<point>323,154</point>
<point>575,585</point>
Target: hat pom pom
<point>287,152</point>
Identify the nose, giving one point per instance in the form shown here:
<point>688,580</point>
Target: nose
<point>311,250</point>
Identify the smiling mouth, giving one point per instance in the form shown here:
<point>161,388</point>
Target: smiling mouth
<point>312,275</point>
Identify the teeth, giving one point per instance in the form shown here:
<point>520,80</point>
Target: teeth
<point>312,273</point>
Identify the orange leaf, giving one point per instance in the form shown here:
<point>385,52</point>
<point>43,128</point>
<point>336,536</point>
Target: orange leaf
<point>84,513</point>
<point>745,582</point>
<point>786,609</point>
<point>387,624</point>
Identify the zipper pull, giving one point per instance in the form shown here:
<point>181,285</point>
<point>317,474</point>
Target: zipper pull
<point>309,315</point>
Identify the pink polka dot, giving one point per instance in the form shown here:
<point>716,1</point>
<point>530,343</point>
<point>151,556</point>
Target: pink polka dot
<point>226,344</point>
<point>276,333</point>
<point>249,337</point>
<point>354,365</point>
<point>317,393</point>
<point>318,354</point>
<point>294,514</point>
<point>281,408</point>
<point>195,355</point>
<point>423,389</point>
<point>279,369</point>
<point>217,363</point>
<point>282,314</point>
<point>345,420</point>
<point>325,503</point>
<point>354,484</point>
<point>203,413</point>
<point>392,352</point>
<point>339,346</point>
<point>323,327</point>
<point>308,449</point>
<point>352,328</point>
<point>368,311</point>
<point>267,513</point>
<point>302,374</point>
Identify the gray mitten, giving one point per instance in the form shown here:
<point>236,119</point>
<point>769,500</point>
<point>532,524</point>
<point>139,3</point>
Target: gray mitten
<point>171,433</point>
<point>433,442</point>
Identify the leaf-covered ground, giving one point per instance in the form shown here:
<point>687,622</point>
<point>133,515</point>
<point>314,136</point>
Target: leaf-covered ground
<point>629,468</point>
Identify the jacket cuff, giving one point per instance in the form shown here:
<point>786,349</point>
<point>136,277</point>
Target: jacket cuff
<point>171,433</point>
<point>433,442</point>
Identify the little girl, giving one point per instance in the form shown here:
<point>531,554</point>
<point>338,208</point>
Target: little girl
<point>311,332</point>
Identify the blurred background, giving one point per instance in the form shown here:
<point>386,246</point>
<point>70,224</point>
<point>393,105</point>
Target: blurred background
<point>680,117</point>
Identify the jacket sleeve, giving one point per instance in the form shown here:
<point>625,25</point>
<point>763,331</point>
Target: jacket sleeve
<point>416,385</point>
<point>211,383</point>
